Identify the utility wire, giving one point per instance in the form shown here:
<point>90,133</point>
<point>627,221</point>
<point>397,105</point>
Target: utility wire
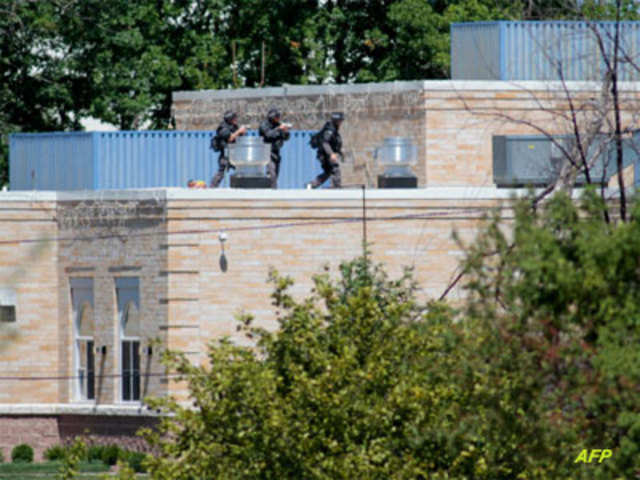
<point>435,214</point>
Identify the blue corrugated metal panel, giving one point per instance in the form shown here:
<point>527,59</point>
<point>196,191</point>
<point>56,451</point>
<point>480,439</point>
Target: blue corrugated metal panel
<point>535,50</point>
<point>49,161</point>
<point>151,158</point>
<point>475,51</point>
<point>299,164</point>
<point>156,159</point>
<point>136,159</point>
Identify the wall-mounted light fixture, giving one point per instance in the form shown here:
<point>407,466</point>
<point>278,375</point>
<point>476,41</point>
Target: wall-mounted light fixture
<point>222,236</point>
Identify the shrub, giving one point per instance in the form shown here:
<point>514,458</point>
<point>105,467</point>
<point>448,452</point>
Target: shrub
<point>135,460</point>
<point>22,453</point>
<point>95,453</point>
<point>1,457</point>
<point>54,453</point>
<point>110,454</point>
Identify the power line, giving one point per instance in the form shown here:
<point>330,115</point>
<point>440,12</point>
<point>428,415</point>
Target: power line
<point>435,214</point>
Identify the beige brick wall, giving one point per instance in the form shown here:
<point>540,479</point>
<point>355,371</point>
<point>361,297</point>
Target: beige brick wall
<point>298,238</point>
<point>187,299</point>
<point>170,241</point>
<point>29,346</point>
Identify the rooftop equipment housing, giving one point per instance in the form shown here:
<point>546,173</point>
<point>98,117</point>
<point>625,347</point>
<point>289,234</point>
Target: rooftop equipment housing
<point>533,50</point>
<point>534,160</point>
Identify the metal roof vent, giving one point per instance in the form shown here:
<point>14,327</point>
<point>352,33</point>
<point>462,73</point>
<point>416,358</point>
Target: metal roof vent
<point>397,155</point>
<point>250,155</point>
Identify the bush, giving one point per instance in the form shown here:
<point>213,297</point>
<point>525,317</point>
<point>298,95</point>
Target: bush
<point>110,454</point>
<point>1,457</point>
<point>95,453</point>
<point>22,453</point>
<point>135,459</point>
<point>54,453</point>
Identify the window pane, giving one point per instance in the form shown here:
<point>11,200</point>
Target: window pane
<point>136,371</point>
<point>131,320</point>
<point>90,372</point>
<point>7,314</point>
<point>126,367</point>
<point>85,320</point>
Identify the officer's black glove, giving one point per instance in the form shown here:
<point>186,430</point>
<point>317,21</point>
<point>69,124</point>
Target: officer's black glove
<point>232,165</point>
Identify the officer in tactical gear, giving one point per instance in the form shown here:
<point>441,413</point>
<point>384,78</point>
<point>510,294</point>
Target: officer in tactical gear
<point>226,133</point>
<point>275,133</point>
<point>329,144</point>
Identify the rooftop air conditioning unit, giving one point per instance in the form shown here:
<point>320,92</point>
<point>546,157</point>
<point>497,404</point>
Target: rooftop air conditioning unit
<point>528,160</point>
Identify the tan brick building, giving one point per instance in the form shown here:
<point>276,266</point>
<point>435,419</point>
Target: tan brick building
<point>80,266</point>
<point>88,279</point>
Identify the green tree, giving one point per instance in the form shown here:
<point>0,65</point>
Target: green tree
<point>353,385</point>
<point>363,381</point>
<point>556,314</point>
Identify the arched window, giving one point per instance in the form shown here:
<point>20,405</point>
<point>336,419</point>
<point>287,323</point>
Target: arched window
<point>84,352</point>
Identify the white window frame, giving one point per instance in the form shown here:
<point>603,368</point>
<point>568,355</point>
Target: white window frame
<point>81,298</point>
<point>127,293</point>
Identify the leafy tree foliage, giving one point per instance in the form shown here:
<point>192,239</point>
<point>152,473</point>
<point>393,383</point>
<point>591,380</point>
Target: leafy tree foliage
<point>555,312</point>
<point>351,386</point>
<point>363,381</point>
<point>119,61</point>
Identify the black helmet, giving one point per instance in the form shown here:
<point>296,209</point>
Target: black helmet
<point>273,113</point>
<point>229,115</point>
<point>337,117</point>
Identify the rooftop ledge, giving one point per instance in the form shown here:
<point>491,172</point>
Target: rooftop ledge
<point>397,86</point>
<point>160,194</point>
<point>115,410</point>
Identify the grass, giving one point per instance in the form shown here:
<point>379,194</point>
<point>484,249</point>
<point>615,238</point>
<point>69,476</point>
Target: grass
<point>28,471</point>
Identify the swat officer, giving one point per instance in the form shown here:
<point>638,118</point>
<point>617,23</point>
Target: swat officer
<point>226,133</point>
<point>275,133</point>
<point>329,144</point>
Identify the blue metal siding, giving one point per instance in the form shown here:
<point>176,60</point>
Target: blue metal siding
<point>532,50</point>
<point>136,159</point>
<point>475,51</point>
<point>50,161</point>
